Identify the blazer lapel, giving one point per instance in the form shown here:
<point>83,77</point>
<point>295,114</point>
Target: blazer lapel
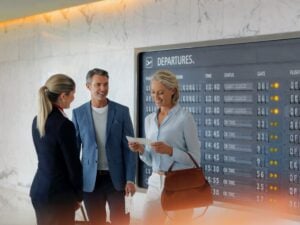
<point>89,118</point>
<point>110,118</point>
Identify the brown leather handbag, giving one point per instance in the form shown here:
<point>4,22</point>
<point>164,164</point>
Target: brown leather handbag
<point>186,188</point>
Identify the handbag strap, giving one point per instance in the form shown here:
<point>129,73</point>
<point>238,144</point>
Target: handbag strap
<point>191,157</point>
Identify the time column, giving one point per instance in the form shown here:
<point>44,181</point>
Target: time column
<point>212,134</point>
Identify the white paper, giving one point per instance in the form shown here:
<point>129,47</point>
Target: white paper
<point>142,141</point>
<point>128,203</point>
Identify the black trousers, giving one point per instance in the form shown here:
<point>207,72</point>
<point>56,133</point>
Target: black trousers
<point>54,213</point>
<point>103,193</point>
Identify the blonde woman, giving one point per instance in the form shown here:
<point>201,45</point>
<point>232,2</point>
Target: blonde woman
<point>57,186</point>
<point>174,133</point>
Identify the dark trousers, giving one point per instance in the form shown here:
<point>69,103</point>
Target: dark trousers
<point>95,202</point>
<point>54,214</point>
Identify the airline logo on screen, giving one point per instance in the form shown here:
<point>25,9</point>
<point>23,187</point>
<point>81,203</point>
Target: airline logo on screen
<point>163,61</point>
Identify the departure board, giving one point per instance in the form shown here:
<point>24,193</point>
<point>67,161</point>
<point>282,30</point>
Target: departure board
<point>245,99</point>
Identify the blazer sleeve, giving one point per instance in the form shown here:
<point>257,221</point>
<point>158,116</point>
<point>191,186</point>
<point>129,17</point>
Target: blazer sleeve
<point>67,140</point>
<point>77,134</point>
<point>130,156</point>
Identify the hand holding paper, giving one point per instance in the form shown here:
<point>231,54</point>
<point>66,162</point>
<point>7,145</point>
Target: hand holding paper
<point>142,141</point>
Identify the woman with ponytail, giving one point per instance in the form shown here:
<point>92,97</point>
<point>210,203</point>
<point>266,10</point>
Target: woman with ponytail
<point>56,190</point>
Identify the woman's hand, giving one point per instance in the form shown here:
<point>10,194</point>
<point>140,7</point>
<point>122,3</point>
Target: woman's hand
<point>136,147</point>
<point>162,148</point>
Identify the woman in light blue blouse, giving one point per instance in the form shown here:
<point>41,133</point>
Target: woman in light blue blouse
<point>173,133</point>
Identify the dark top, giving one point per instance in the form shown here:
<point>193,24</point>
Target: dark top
<point>59,174</point>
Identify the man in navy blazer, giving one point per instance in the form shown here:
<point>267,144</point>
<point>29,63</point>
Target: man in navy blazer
<point>109,166</point>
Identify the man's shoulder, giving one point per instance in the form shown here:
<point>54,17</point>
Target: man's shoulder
<point>118,105</point>
<point>82,107</point>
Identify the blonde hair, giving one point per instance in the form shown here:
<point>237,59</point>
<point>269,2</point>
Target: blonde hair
<point>48,94</point>
<point>169,80</point>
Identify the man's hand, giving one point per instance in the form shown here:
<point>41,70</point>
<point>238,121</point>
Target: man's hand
<point>130,188</point>
<point>77,205</point>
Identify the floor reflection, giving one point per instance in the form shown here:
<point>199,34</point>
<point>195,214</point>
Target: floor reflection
<point>16,209</point>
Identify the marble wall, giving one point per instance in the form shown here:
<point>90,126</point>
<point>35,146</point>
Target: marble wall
<point>104,34</point>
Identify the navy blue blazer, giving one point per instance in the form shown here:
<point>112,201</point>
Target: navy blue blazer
<point>59,174</point>
<point>121,160</point>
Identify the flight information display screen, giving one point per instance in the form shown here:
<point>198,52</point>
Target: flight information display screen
<point>245,99</point>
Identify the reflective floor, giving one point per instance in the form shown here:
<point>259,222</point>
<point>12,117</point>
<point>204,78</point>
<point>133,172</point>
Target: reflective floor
<point>16,209</point>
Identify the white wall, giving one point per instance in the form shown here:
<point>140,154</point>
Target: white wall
<point>104,35</point>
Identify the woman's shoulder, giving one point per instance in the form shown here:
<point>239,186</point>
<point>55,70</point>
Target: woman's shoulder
<point>150,116</point>
<point>184,112</point>
<point>57,118</point>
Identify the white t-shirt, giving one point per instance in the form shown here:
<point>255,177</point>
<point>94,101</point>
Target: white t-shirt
<point>100,120</point>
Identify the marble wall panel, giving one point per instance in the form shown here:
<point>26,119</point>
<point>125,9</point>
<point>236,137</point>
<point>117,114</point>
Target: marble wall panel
<point>104,34</point>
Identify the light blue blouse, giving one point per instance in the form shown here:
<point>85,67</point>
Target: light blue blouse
<point>178,129</point>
